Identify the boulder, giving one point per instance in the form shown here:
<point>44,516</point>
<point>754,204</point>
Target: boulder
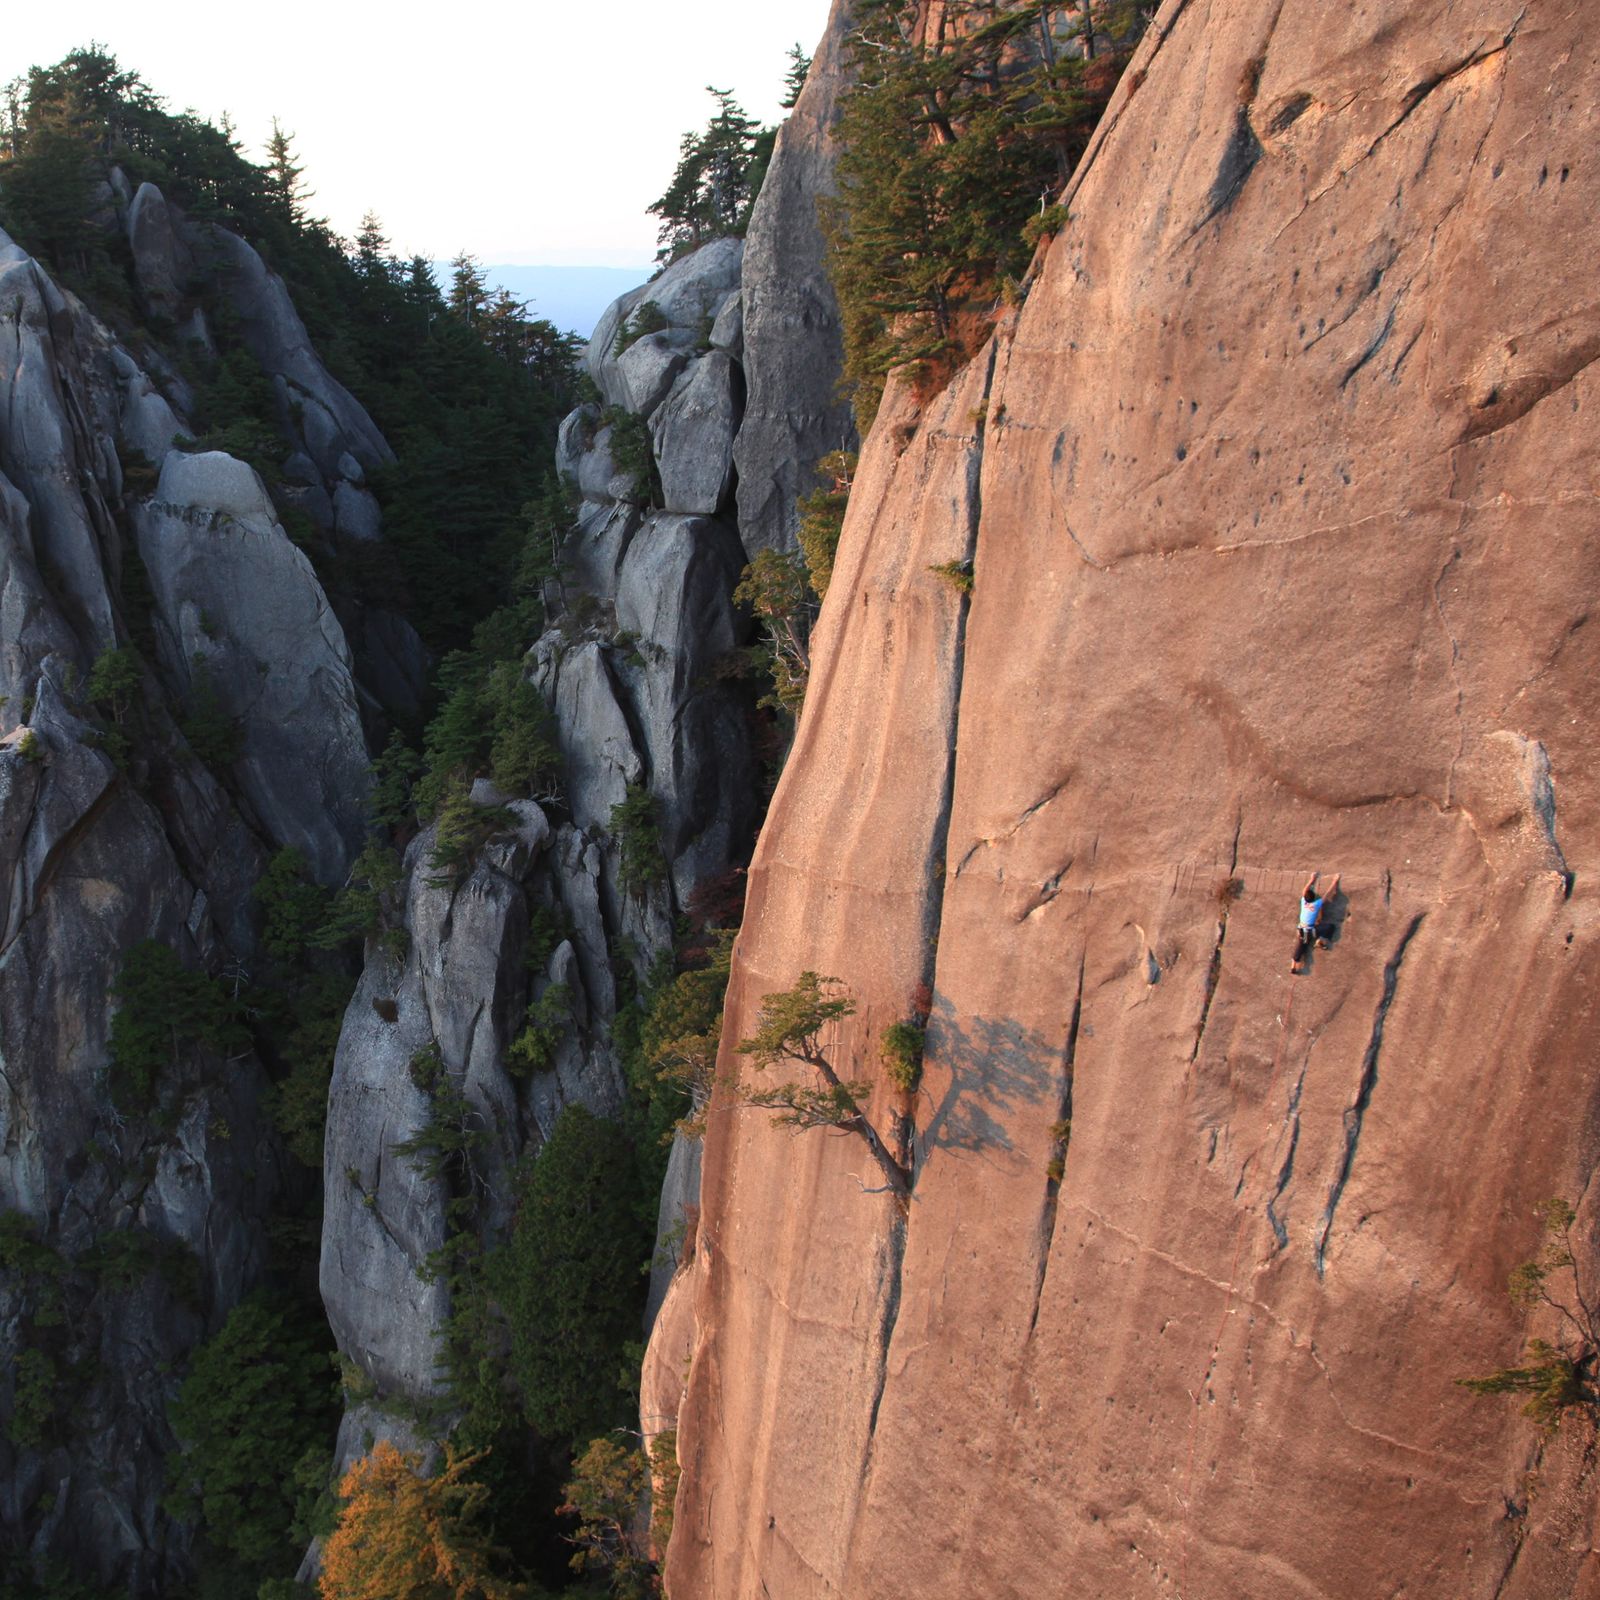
<point>355,513</point>
<point>693,434</point>
<point>645,372</point>
<point>163,263</point>
<point>243,619</point>
<point>597,745</point>
<point>688,295</point>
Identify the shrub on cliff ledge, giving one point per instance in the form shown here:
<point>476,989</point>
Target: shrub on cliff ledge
<point>948,140</point>
<point>166,1013</point>
<point>1557,1374</point>
<point>792,1025</point>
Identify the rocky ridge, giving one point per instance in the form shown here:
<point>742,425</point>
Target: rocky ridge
<point>632,670</point>
<point>140,1226</point>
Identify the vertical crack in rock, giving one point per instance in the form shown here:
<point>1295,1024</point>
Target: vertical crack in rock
<point>1286,1171</point>
<point>1542,797</point>
<point>1214,971</point>
<point>1455,676</point>
<point>1054,1180</point>
<point>933,912</point>
<point>895,1247</point>
<point>1357,1110</point>
<point>1519,1534</point>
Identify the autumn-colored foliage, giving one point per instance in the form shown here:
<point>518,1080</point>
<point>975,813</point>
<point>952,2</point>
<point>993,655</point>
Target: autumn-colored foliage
<point>403,1536</point>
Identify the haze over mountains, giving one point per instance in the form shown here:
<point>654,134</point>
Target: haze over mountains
<point>571,297</point>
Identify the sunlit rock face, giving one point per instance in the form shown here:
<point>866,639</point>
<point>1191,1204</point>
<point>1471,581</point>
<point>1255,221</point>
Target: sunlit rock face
<point>1278,491</point>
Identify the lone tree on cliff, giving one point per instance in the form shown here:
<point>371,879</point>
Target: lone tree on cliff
<point>792,1025</point>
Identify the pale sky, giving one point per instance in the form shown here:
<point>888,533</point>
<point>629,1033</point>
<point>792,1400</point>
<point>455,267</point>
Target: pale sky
<point>531,133</point>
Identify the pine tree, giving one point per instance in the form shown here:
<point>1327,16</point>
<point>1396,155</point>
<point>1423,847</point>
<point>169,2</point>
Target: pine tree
<point>403,1536</point>
<point>469,289</point>
<point>795,79</point>
<point>717,179</point>
<point>284,187</point>
<point>950,139</point>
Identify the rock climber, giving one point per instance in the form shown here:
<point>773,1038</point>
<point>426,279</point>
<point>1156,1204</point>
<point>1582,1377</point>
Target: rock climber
<point>1306,934</point>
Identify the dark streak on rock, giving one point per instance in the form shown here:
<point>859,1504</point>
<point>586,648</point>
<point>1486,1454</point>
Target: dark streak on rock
<point>1357,1110</point>
<point>1379,340</point>
<point>1052,1190</point>
<point>1239,160</point>
<point>1286,1171</point>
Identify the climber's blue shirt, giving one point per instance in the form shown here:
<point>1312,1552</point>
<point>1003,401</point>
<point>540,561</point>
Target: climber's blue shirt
<point>1310,910</point>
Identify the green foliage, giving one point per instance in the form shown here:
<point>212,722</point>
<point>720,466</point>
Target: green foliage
<point>121,1260</point>
<point>293,907</point>
<point>1548,1377</point>
<point>795,79</point>
<point>548,1020</point>
<point>256,1402</point>
<point>236,410</point>
<point>605,1493</point>
<point>902,1046</point>
<point>29,748</point>
<point>569,1278</point>
<point>166,1012</point>
<point>947,140</point>
<point>631,452</point>
<point>1044,223</point>
<point>1556,1374</point>
<point>822,517</point>
<point>33,1399</point>
<point>213,734</point>
<point>115,689</point>
<point>491,720</point>
<point>791,1029</point>
<point>648,317</point>
<point>678,1038</point>
<point>775,587</point>
<point>462,828</point>
<point>636,827</point>
<point>362,908</point>
<point>665,1473</point>
<point>303,1022</point>
<point>716,182</point>
<point>958,574</point>
<point>524,757</point>
<point>793,1022</point>
<point>393,775</point>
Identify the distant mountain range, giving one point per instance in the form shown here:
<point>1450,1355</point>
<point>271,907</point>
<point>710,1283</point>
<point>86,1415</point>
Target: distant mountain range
<point>571,297</point>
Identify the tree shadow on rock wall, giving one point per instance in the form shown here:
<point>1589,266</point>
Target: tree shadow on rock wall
<point>998,1068</point>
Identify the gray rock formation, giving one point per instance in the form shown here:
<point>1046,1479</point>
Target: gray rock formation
<point>56,445</point>
<point>163,263</point>
<point>244,621</point>
<point>693,433</point>
<point>331,442</point>
<point>792,351</point>
<point>332,421</point>
<point>96,857</point>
